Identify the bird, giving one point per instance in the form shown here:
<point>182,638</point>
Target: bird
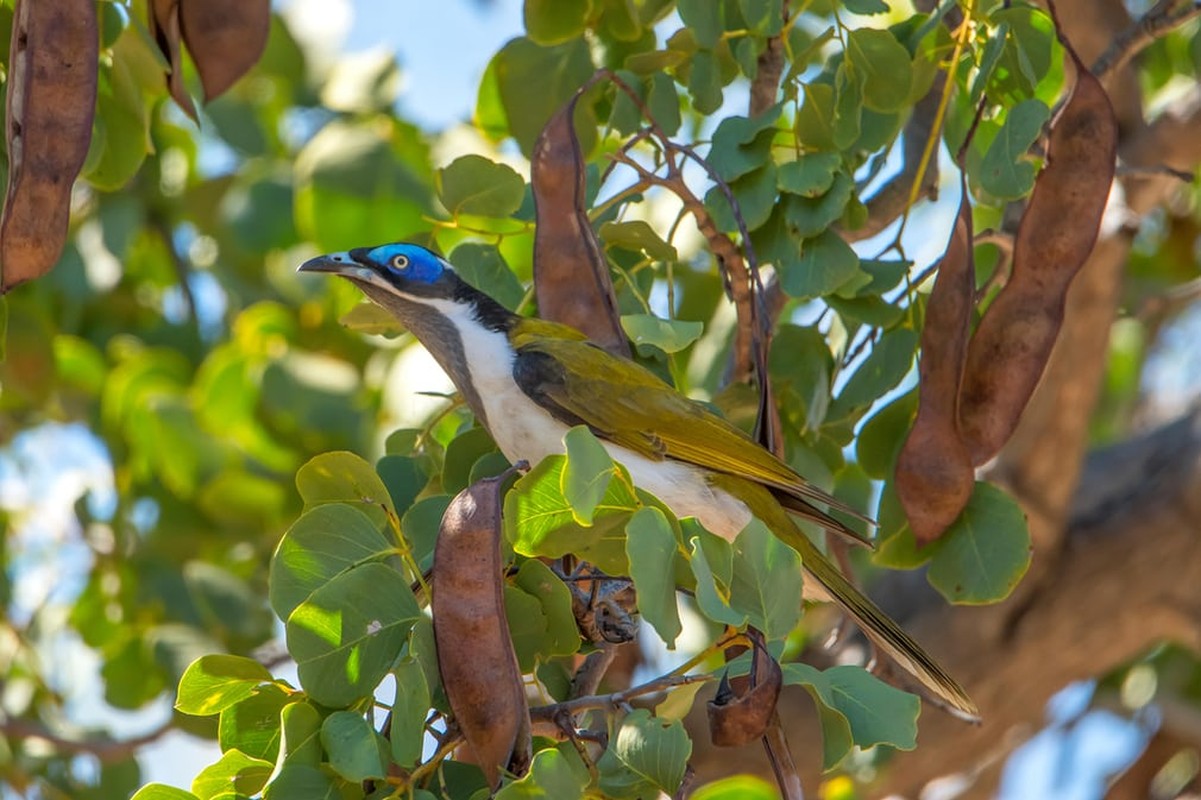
<point>528,381</point>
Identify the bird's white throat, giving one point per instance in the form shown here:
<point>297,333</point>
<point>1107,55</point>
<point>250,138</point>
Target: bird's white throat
<point>524,431</point>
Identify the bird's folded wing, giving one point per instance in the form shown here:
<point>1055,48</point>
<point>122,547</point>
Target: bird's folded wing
<point>579,383</point>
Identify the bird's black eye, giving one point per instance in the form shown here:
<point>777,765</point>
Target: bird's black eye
<point>400,262</point>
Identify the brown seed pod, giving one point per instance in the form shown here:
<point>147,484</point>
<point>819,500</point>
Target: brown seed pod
<point>164,24</point>
<point>51,102</point>
<point>571,276</point>
<point>475,653</point>
<point>934,474</point>
<point>1011,346</point>
<point>744,707</point>
<point>225,38</point>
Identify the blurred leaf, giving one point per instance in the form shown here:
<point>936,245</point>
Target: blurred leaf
<point>739,787</point>
<point>884,66</point>
<point>363,83</point>
<point>638,237</point>
<point>555,21</point>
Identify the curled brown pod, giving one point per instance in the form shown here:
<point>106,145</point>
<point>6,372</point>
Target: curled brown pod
<point>225,38</point>
<point>934,474</point>
<point>743,708</point>
<point>475,653</point>
<point>571,275</point>
<point>1013,342</point>
<point>51,102</point>
<point>165,25</point>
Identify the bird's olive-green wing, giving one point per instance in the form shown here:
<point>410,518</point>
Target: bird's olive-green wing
<point>579,383</point>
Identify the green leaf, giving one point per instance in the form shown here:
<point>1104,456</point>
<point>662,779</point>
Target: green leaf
<point>809,217</point>
<point>527,627</point>
<point>679,701</point>
<point>857,708</point>
<point>552,776</point>
<point>703,17</point>
<point>985,552</point>
<point>801,365</point>
<point>302,780</point>
<point>539,521</point>
<point>252,725</point>
<point>639,237</point>
<point>352,746</point>
<point>324,542</point>
<point>1007,170</point>
<point>343,477</point>
<point>472,184</point>
<point>420,526</point>
<point>887,363</point>
<point>482,266</point>
<point>663,102</point>
<point>409,712</point>
<point>555,21</point>
<point>586,474</point>
<point>815,120</point>
<point>810,175</point>
<point>704,83</point>
<point>213,683</point>
<point>626,117</point>
<point>558,71</point>
<point>764,17</point>
<point>461,454</point>
<point>235,772</point>
<point>300,736</point>
<point>536,579</point>
<point>668,335</point>
<point>712,595</point>
<point>652,749</point>
<point>742,144</point>
<point>404,477</point>
<point>884,66</point>
<point>826,263</point>
<point>161,791</point>
<point>881,437</point>
<point>651,548</point>
<point>1027,56</point>
<point>737,787</point>
<point>766,582</point>
<point>755,194</point>
<point>866,6</point>
<point>346,636</point>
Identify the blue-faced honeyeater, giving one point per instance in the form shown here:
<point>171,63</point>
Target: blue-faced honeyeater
<point>528,381</point>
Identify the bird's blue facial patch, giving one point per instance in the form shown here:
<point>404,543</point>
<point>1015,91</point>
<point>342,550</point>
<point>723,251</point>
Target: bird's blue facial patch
<point>408,261</point>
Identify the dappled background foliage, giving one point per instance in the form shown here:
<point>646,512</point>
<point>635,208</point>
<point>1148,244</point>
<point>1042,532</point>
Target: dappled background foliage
<point>174,332</point>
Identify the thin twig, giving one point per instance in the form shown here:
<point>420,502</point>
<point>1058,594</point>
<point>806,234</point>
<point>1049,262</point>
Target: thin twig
<point>1159,20</point>
<point>614,700</point>
<point>107,750</point>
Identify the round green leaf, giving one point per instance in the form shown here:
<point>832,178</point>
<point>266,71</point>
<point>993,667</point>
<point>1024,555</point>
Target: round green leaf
<point>213,683</point>
<point>472,184</point>
<point>883,65</point>
<point>586,473</point>
<point>985,552</point>
<point>563,636</point>
<point>352,746</point>
<point>1007,170</point>
<point>344,477</point>
<point>323,543</point>
<point>347,635</point>
<point>668,335</point>
<point>235,772</point>
<point>161,791</point>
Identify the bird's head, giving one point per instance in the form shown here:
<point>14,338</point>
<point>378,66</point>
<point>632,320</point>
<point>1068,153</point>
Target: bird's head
<point>423,292</point>
<point>407,270</point>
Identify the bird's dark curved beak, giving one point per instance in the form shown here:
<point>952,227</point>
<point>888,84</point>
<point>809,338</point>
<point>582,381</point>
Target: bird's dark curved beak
<point>333,263</point>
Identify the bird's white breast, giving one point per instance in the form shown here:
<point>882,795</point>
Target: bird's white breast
<point>524,431</point>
